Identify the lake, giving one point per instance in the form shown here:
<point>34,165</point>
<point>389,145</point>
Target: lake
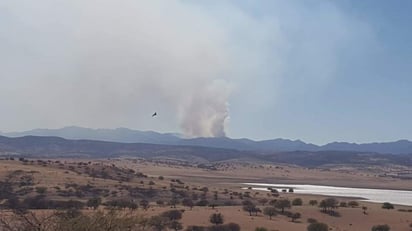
<point>400,197</point>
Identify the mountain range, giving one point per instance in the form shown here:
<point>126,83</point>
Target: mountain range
<point>125,135</point>
<point>55,147</point>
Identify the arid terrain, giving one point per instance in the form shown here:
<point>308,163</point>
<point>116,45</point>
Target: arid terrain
<point>149,187</point>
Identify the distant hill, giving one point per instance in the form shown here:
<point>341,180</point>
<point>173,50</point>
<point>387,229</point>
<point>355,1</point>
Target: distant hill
<point>397,147</point>
<point>124,135</point>
<point>51,147</point>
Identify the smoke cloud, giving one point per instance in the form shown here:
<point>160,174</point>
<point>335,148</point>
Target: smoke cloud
<point>108,64</point>
<point>205,113</point>
<point>112,63</point>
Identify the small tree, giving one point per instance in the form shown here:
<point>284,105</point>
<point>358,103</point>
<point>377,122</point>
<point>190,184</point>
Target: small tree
<point>270,211</point>
<point>173,202</point>
<point>329,203</point>
<point>188,202</point>
<point>313,202</point>
<point>381,228</point>
<point>282,204</point>
<point>272,202</point>
<point>216,218</point>
<point>318,227</point>
<point>249,207</point>
<point>263,201</point>
<point>387,205</point>
<point>297,202</point>
<point>295,216</point>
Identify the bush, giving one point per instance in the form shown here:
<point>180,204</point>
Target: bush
<point>158,222</point>
<point>387,205</point>
<point>318,227</point>
<point>202,203</point>
<point>261,229</point>
<point>313,202</point>
<point>160,202</point>
<point>297,202</point>
<point>353,204</point>
<point>144,204</point>
<point>312,220</point>
<point>71,220</point>
<point>294,216</point>
<point>381,228</point>
<point>227,227</point>
<point>195,228</point>
<point>232,227</point>
<point>122,204</point>
<point>41,190</point>
<point>175,225</point>
<point>94,202</point>
<point>172,215</point>
<point>216,218</point>
<point>13,203</point>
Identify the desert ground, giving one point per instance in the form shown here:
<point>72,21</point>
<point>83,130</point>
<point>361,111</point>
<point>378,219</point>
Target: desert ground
<point>218,183</point>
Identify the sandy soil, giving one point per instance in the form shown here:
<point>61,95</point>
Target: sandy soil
<point>233,174</point>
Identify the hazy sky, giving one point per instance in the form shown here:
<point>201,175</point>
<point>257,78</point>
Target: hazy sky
<point>314,70</point>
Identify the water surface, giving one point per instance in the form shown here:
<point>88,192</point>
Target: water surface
<point>400,197</point>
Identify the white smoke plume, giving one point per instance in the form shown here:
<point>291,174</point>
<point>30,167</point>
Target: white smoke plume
<point>206,112</point>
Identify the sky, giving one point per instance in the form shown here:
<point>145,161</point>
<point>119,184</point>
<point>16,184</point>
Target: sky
<point>316,70</point>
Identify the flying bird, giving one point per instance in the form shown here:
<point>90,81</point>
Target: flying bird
<point>154,114</point>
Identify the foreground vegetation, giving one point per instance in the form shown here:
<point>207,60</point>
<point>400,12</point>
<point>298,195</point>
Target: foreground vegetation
<point>89,195</point>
